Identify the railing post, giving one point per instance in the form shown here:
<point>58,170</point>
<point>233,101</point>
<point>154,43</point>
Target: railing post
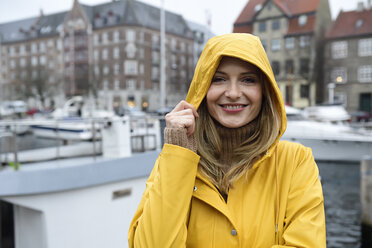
<point>366,200</point>
<point>94,139</point>
<point>15,145</point>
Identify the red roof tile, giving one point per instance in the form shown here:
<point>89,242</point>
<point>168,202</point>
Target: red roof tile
<point>296,7</point>
<point>345,24</point>
<point>248,11</point>
<point>289,7</point>
<point>295,28</point>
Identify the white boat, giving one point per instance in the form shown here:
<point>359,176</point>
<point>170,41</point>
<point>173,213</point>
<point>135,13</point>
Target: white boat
<point>328,141</point>
<point>75,121</point>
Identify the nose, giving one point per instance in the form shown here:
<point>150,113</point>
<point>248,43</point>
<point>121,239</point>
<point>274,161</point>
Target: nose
<point>233,90</point>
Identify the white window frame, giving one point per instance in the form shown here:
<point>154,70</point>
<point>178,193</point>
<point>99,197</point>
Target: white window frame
<point>130,35</point>
<point>105,38</point>
<point>365,47</point>
<point>131,67</point>
<point>105,54</point>
<point>289,43</point>
<point>131,84</point>
<point>116,53</point>
<point>302,20</point>
<point>339,49</point>
<point>116,36</point>
<point>365,74</point>
<point>304,40</point>
<point>275,44</point>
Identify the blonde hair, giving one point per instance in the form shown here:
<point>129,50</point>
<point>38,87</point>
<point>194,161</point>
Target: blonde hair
<point>263,136</point>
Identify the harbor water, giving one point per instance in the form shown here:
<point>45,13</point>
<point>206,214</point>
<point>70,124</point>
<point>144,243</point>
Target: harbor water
<point>341,188</point>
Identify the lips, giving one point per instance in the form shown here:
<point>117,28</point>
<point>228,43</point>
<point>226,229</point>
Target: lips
<point>233,107</point>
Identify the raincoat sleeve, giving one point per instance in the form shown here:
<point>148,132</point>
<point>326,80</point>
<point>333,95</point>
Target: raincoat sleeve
<point>304,222</point>
<point>160,220</point>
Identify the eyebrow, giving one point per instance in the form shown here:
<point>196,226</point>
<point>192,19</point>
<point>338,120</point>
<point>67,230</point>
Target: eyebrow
<point>244,73</point>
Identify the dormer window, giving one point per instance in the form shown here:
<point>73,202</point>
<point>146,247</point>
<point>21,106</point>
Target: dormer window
<point>111,17</point>
<point>359,23</point>
<point>258,7</point>
<point>302,20</point>
<point>98,20</point>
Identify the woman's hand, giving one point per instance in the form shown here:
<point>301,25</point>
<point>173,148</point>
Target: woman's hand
<point>183,115</point>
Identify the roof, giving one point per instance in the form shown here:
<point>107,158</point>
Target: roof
<point>294,28</point>
<point>345,24</point>
<point>124,12</point>
<point>289,8</point>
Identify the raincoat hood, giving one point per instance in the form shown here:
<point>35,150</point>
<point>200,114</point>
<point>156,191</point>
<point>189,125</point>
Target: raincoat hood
<point>246,47</point>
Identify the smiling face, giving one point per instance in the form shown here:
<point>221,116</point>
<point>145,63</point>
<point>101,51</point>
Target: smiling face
<point>235,95</point>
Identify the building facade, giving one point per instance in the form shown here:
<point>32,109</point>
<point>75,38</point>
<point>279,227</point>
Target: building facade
<point>348,65</point>
<point>109,51</point>
<point>292,33</point>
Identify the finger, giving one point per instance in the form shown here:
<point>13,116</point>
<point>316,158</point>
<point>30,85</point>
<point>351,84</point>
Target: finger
<point>182,105</point>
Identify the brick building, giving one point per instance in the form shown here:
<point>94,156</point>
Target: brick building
<point>292,32</point>
<point>110,51</point>
<point>348,65</point>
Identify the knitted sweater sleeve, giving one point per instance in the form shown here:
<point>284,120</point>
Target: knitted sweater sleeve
<point>178,136</point>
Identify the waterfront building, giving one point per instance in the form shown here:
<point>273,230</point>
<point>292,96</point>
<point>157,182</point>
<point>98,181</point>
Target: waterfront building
<point>348,67</point>
<point>110,51</point>
<point>292,33</point>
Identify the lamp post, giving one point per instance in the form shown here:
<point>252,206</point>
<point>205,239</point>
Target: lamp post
<point>331,92</point>
<point>162,57</point>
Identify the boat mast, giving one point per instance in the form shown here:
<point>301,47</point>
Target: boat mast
<point>162,57</point>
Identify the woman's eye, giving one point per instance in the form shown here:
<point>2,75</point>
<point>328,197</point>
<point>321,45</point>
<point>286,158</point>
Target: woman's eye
<point>249,80</point>
<point>217,79</point>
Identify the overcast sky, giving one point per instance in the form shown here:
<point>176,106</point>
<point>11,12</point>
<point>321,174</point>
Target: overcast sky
<point>222,13</point>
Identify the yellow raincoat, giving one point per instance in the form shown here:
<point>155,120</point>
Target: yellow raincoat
<point>280,204</point>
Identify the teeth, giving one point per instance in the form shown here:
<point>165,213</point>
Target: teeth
<point>233,106</point>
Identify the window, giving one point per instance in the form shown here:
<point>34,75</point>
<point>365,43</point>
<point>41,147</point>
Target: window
<point>142,53</point>
<point>130,49</point>
<point>34,61</point>
<point>12,64</point>
<point>275,45</point>
<point>22,49</point>
<point>116,85</point>
<point>339,49</point>
<point>42,47</point>
<point>106,70</point>
<point>130,67</point>
<point>155,40</point>
<point>365,74</point>
<point>141,69</point>
<point>155,57</point>
<point>12,50</point>
<point>289,67</point>
<point>116,69</point>
<point>104,54</point>
<point>262,26</point>
<point>365,47</point>
<point>116,53</point>
<point>304,67</point>
<point>130,35</point>
<point>104,38</point>
<point>34,48</point>
<point>304,41</point>
<point>116,36</point>
<point>155,73</point>
<point>275,25</point>
<point>22,62</point>
<point>42,60</point>
<point>289,42</point>
<point>276,67</point>
<point>304,91</point>
<point>96,55</point>
<point>50,43</point>
<point>302,20</point>
<point>59,45</point>
<point>96,39</point>
<point>182,47</point>
<point>141,36</point>
<point>131,84</point>
<point>96,70</point>
<point>339,75</point>
<point>173,44</point>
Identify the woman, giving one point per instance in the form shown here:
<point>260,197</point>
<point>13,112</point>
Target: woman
<point>223,178</point>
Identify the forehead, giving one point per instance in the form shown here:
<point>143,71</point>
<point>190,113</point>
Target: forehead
<point>231,62</point>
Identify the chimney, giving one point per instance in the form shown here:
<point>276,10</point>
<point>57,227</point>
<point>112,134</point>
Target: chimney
<point>360,7</point>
